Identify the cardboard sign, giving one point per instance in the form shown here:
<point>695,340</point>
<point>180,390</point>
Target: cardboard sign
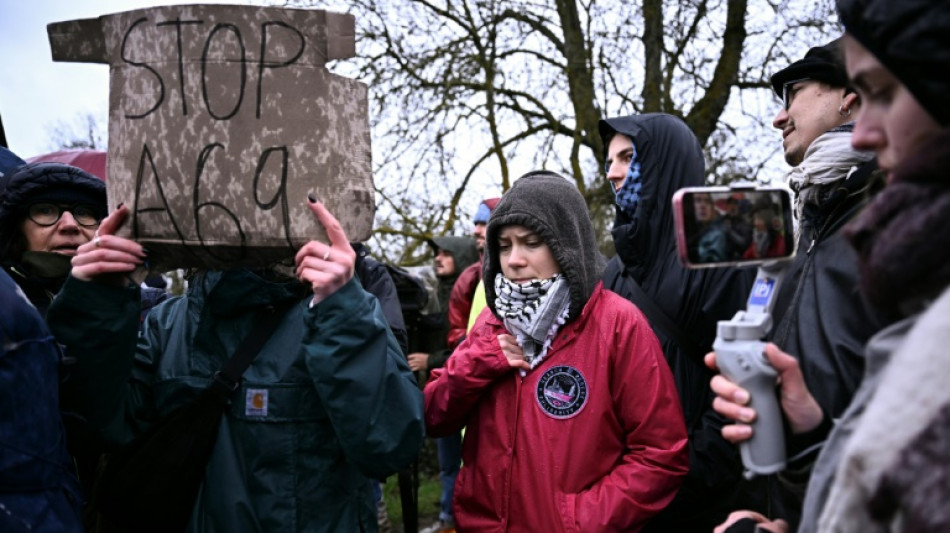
<point>221,120</point>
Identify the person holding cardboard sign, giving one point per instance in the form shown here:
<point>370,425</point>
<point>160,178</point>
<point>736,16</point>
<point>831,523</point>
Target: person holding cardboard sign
<point>326,406</point>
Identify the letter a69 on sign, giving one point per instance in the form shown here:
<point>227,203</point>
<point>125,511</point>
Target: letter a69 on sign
<point>221,120</point>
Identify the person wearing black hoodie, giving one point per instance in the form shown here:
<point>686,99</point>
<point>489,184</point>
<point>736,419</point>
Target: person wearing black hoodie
<point>649,157</point>
<point>452,255</point>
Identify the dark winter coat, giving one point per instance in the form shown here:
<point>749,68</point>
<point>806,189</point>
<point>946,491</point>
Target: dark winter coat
<point>820,315</point>
<point>822,319</point>
<point>41,274</point>
<point>671,158</point>
<point>341,408</point>
<point>375,278</point>
<point>38,489</point>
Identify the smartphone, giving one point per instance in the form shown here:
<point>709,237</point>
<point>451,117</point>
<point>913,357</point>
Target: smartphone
<point>733,226</point>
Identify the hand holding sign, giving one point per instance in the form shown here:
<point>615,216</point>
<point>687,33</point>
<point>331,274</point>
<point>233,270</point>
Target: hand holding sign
<point>326,267</point>
<point>108,258</point>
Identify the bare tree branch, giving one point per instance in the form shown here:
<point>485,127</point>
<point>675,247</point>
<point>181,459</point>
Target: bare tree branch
<point>467,94</point>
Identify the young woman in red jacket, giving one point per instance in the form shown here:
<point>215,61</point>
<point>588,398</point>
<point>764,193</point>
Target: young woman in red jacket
<point>573,420</point>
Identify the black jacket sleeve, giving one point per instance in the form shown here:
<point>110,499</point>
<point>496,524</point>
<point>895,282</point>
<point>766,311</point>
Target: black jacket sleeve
<point>376,280</point>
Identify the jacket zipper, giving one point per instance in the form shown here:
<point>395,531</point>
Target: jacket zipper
<point>519,381</point>
<point>806,268</point>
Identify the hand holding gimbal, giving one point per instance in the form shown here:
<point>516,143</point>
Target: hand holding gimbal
<point>700,214</point>
<point>740,355</point>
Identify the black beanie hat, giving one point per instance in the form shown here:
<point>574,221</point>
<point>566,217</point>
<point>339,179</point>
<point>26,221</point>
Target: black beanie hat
<point>912,39</point>
<point>551,206</point>
<point>821,63</point>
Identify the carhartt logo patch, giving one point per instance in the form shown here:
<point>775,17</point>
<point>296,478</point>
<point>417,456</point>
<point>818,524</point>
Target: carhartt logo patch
<point>562,392</point>
<point>255,402</point>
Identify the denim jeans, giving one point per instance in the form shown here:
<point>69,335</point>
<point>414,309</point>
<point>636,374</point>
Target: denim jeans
<point>450,459</point>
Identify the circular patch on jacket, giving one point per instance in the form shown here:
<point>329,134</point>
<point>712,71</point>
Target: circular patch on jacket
<point>562,391</point>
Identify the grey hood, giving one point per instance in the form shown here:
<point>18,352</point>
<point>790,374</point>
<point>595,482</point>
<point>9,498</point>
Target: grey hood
<point>551,206</point>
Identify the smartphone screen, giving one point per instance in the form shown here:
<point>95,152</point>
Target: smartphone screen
<point>719,226</point>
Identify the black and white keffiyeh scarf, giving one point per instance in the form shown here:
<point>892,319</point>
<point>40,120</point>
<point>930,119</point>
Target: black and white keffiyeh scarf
<point>533,312</point>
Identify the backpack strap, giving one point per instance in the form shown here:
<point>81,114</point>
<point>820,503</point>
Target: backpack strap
<point>229,377</point>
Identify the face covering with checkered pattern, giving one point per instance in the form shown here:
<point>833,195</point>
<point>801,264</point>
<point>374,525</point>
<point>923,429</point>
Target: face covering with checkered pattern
<point>533,312</point>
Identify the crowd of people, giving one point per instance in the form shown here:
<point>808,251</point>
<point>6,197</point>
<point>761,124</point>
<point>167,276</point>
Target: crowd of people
<point>568,392</point>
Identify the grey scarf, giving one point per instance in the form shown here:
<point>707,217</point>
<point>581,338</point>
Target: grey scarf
<point>829,158</point>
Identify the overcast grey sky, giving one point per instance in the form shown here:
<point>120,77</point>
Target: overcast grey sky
<point>35,92</point>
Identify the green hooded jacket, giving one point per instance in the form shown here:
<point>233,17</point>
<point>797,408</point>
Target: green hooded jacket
<point>328,404</point>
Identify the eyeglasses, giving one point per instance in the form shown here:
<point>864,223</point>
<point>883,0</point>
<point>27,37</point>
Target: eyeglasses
<point>787,93</point>
<point>47,214</point>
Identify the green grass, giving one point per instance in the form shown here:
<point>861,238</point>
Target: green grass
<point>429,491</point>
